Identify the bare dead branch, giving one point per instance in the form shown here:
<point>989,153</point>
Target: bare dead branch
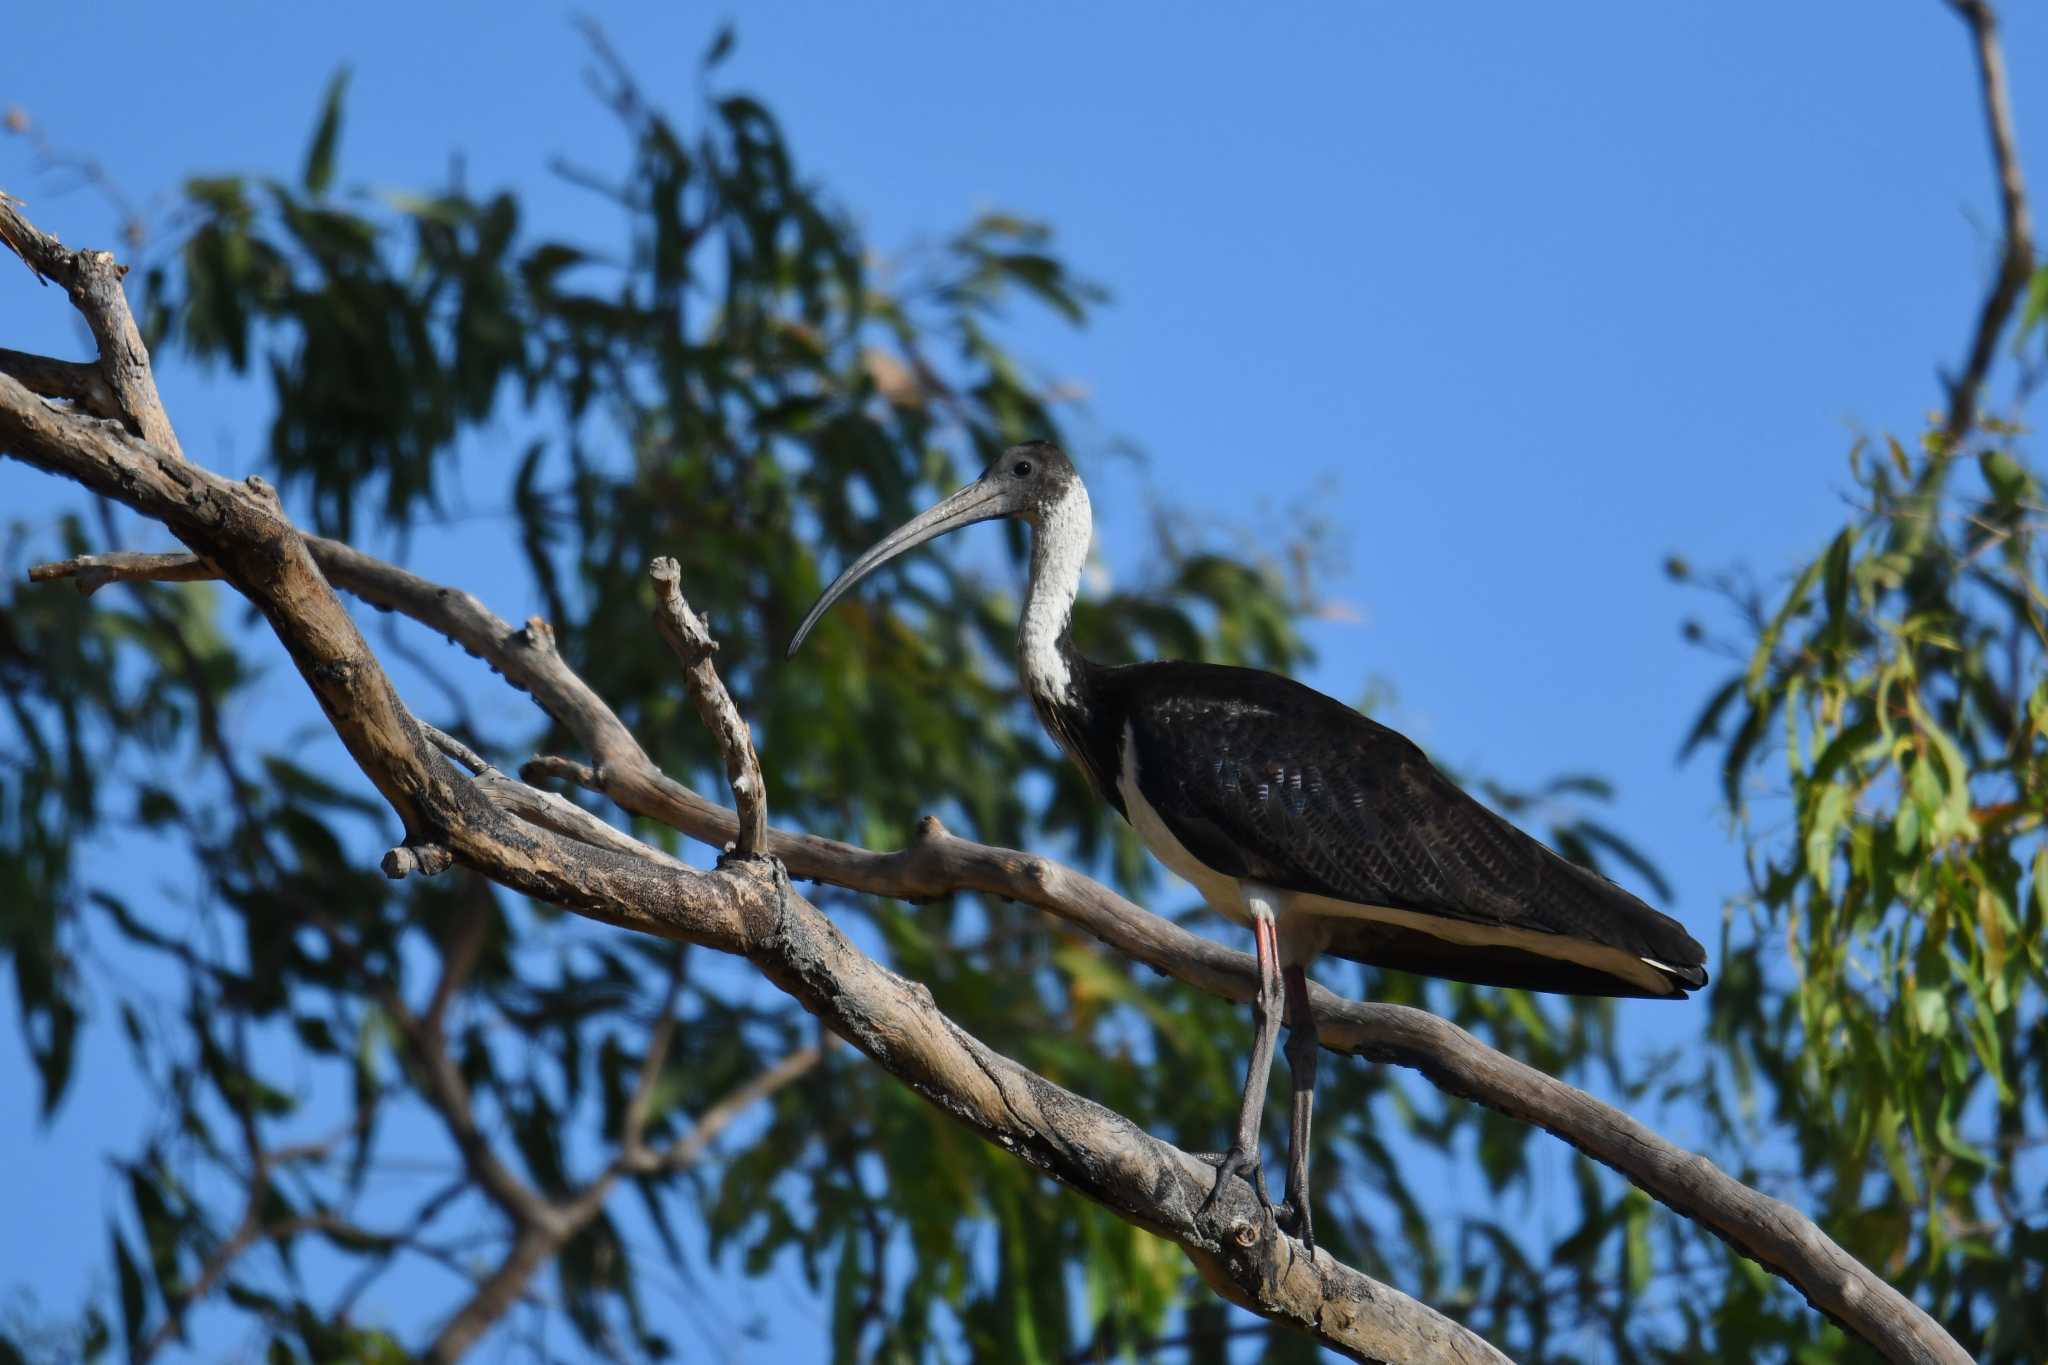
<point>538,807</point>
<point>2016,252</point>
<point>74,381</point>
<point>90,573</point>
<point>693,648</point>
<point>93,280</point>
<point>549,811</point>
<point>416,860</point>
<point>542,766</point>
<point>455,749</point>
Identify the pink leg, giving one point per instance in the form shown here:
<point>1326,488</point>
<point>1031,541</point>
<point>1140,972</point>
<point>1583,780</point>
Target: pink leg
<point>1243,1157</point>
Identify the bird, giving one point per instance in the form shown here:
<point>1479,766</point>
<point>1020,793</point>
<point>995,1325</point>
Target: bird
<point>1296,816</point>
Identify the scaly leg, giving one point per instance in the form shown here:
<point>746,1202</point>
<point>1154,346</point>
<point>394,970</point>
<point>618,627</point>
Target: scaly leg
<point>1243,1157</point>
<point>1302,1051</point>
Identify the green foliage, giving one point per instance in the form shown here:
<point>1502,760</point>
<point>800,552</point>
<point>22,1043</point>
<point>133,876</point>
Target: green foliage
<point>1886,746</point>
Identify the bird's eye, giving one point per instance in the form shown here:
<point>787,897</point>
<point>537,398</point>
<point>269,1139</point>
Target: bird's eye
<point>1022,469</point>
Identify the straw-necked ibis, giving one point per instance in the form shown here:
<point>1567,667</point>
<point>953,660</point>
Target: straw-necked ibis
<point>1295,815</point>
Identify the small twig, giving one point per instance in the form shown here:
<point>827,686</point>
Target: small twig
<point>542,808</point>
<point>566,818</point>
<point>542,766</point>
<point>456,749</point>
<point>57,161</point>
<point>90,573</point>
<point>2016,256</point>
<point>693,648</point>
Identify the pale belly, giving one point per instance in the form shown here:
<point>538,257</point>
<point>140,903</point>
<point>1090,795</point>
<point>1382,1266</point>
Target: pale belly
<point>1218,889</point>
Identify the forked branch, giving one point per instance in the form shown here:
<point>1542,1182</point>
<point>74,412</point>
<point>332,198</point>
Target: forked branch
<point>93,280</point>
<point>693,648</point>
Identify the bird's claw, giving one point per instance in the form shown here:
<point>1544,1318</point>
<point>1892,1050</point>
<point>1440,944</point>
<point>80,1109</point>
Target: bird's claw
<point>1244,1163</point>
<point>1294,1220</point>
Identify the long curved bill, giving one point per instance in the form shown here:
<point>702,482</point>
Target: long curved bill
<point>978,501</point>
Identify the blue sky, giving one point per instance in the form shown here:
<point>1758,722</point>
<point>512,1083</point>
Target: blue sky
<point>1521,299</point>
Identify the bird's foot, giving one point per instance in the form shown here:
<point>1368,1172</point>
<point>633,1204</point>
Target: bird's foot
<point>1244,1163</point>
<point>1293,1217</point>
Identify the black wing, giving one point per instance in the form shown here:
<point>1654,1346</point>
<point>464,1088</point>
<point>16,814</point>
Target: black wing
<point>1263,778</point>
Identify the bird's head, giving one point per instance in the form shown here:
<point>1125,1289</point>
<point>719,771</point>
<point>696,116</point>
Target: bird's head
<point>1028,482</point>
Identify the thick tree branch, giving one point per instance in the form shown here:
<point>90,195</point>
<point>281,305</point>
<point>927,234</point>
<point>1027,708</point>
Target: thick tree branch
<point>2016,251</point>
